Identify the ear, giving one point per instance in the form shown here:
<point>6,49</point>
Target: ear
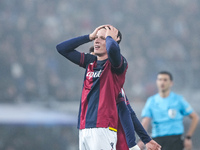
<point>118,38</point>
<point>172,83</point>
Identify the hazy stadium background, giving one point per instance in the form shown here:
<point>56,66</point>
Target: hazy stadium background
<point>40,90</point>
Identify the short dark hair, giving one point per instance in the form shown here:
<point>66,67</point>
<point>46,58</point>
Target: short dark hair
<point>120,36</point>
<point>167,73</point>
<point>91,49</point>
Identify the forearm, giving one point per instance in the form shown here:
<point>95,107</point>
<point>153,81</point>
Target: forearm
<point>140,129</point>
<point>67,46</point>
<point>113,51</point>
<point>193,124</point>
<point>127,124</point>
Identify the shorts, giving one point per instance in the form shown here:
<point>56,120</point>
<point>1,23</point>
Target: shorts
<point>97,139</point>
<point>172,142</point>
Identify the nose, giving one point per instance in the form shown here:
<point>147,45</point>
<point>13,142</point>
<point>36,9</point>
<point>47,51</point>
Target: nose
<point>96,40</point>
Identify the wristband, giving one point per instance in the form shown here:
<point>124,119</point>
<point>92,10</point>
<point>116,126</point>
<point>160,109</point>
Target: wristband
<point>136,147</point>
<point>188,137</point>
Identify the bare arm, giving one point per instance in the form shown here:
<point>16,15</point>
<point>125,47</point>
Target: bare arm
<point>145,122</point>
<point>194,121</point>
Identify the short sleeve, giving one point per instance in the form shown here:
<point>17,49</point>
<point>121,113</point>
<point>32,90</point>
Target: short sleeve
<point>146,112</point>
<point>186,109</point>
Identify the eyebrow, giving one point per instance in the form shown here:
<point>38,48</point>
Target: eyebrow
<point>102,37</point>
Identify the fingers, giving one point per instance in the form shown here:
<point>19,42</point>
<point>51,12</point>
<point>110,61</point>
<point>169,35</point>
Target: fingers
<point>100,27</point>
<point>111,31</point>
<point>94,33</point>
<point>107,27</point>
<point>110,27</point>
<point>152,145</point>
<point>158,147</point>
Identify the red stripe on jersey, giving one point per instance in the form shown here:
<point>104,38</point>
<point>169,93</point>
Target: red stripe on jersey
<point>84,107</point>
<point>121,138</point>
<point>84,101</point>
<point>111,84</point>
<point>106,108</point>
<point>82,59</point>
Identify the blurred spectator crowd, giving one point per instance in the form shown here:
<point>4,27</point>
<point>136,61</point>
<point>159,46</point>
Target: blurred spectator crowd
<point>40,137</point>
<point>157,35</point>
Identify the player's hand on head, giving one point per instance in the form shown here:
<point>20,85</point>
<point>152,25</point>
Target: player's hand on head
<point>93,35</point>
<point>112,31</point>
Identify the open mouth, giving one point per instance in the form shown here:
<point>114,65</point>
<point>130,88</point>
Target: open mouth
<point>96,46</point>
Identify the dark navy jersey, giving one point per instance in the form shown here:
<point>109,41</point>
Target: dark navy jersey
<point>102,83</point>
<point>127,125</point>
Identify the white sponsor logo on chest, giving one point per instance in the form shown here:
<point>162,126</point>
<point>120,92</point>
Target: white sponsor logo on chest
<point>93,74</point>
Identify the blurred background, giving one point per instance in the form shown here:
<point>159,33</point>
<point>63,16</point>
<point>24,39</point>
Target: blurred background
<point>40,90</point>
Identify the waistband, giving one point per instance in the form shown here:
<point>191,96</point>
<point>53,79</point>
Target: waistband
<point>112,129</point>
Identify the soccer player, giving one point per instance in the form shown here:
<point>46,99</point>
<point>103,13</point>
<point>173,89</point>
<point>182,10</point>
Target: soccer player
<point>125,133</point>
<point>104,77</point>
<point>167,109</point>
<point>130,123</point>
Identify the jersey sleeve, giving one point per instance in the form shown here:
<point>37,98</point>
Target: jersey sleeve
<point>119,63</point>
<point>67,49</point>
<point>129,121</point>
<point>186,109</point>
<point>126,123</point>
<point>141,132</point>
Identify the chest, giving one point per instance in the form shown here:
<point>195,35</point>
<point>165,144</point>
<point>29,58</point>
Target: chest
<point>166,109</point>
<point>97,73</point>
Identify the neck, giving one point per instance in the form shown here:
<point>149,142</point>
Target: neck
<point>164,94</point>
<point>102,57</point>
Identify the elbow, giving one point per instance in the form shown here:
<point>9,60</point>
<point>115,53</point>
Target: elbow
<point>133,114</point>
<point>197,118</point>
<point>58,48</point>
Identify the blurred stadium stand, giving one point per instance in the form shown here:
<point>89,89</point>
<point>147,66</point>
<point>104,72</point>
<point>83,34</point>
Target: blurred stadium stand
<point>36,80</point>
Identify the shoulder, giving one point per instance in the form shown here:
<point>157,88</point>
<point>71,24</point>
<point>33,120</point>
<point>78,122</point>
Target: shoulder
<point>122,68</point>
<point>177,96</point>
<point>152,98</point>
<point>150,101</point>
<point>90,58</point>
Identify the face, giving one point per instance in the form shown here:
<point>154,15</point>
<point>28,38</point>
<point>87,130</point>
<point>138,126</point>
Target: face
<point>100,43</point>
<point>163,83</point>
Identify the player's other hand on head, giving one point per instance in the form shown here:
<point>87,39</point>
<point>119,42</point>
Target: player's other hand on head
<point>93,35</point>
<point>112,31</point>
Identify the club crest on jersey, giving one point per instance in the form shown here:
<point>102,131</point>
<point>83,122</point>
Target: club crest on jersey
<point>93,74</point>
<point>172,113</point>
